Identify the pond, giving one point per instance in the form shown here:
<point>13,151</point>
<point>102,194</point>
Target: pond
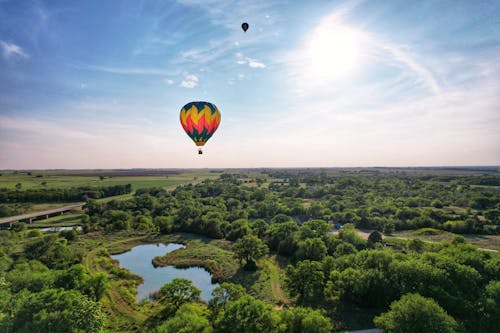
<point>57,229</point>
<point>139,261</point>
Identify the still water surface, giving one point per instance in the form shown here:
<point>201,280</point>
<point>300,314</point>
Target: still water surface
<point>57,229</point>
<point>139,261</point>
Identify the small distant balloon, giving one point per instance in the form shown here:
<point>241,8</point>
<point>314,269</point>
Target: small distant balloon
<point>244,26</point>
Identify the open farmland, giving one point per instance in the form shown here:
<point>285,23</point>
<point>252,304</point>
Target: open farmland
<point>144,178</point>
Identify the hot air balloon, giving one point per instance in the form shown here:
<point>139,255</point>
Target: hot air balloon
<point>244,26</point>
<point>200,121</point>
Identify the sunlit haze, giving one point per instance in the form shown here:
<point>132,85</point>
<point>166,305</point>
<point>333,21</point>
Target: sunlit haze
<point>100,84</point>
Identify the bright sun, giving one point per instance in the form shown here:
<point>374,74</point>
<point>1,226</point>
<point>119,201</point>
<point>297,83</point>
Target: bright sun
<point>333,51</point>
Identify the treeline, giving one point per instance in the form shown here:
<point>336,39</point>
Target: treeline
<point>62,194</point>
<point>219,208</point>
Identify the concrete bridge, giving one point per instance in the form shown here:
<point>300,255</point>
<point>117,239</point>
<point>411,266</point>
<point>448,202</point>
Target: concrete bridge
<point>7,221</point>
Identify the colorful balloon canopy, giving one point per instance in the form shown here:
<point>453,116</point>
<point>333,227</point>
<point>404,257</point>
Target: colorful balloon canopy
<point>200,121</point>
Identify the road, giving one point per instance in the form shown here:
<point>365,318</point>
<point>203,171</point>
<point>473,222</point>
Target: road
<point>9,220</point>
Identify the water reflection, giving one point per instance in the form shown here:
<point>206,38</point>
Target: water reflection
<point>139,261</point>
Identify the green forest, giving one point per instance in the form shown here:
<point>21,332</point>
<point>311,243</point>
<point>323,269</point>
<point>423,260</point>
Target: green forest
<point>292,250</point>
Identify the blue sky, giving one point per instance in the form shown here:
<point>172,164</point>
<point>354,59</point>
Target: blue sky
<point>99,84</point>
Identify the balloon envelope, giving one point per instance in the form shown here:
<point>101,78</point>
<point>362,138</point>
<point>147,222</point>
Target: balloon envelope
<point>244,26</point>
<point>200,121</point>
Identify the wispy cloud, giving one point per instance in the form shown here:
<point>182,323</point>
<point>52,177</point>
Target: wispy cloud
<point>22,140</point>
<point>40,128</point>
<point>126,70</point>
<point>252,63</point>
<point>399,55</point>
<point>12,50</point>
<point>168,82</point>
<point>190,81</point>
<point>229,13</point>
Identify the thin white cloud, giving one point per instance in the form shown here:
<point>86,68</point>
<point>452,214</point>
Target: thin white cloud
<point>228,13</point>
<point>190,81</point>
<point>252,63</point>
<point>215,51</point>
<point>168,82</point>
<point>399,55</point>
<point>12,50</point>
<point>127,71</point>
<point>109,144</point>
<point>41,128</point>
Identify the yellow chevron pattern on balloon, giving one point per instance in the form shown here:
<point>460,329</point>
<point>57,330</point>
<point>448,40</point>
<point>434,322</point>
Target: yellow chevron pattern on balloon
<point>196,115</point>
<point>200,120</point>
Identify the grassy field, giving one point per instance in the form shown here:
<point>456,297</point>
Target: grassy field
<point>490,242</point>
<point>41,179</point>
<point>50,179</point>
<point>65,220</point>
<point>214,255</point>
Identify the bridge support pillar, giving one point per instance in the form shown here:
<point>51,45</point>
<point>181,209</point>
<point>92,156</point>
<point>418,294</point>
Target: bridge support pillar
<point>47,216</point>
<point>31,220</point>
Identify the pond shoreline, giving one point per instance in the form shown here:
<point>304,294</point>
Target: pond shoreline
<point>138,260</point>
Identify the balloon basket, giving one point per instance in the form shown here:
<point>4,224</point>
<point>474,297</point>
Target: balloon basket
<point>200,152</point>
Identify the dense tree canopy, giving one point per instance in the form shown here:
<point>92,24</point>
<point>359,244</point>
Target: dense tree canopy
<point>248,315</point>
<point>45,280</point>
<point>414,313</point>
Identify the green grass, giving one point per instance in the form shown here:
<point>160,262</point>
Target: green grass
<point>427,231</point>
<point>265,283</point>
<point>122,197</point>
<point>213,255</point>
<point>73,178</point>
<point>65,220</point>
<point>490,242</point>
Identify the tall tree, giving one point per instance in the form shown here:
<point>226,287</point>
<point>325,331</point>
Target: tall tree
<point>190,318</point>
<point>299,319</point>
<point>179,291</point>
<point>225,293</point>
<point>305,280</point>
<point>250,248</point>
<point>248,315</point>
<point>415,313</point>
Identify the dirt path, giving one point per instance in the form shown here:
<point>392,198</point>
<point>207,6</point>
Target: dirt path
<point>272,266</point>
